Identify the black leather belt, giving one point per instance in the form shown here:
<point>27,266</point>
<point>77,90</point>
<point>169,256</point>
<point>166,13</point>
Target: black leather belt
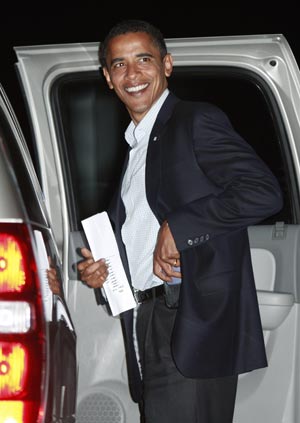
<point>148,294</point>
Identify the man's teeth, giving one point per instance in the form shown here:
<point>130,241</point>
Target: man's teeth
<point>137,88</point>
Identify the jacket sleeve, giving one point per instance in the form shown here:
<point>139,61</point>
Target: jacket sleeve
<point>247,191</point>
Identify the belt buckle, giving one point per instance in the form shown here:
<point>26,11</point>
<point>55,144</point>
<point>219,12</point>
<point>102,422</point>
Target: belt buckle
<point>137,296</point>
<point>140,296</point>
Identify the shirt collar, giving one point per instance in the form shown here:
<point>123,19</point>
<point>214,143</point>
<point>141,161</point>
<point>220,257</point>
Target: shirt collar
<point>133,133</point>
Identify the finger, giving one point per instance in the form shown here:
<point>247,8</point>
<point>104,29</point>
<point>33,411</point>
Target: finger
<point>162,270</point>
<point>95,274</point>
<point>51,275</point>
<point>53,282</point>
<point>98,267</point>
<point>170,265</point>
<point>86,253</point>
<point>97,279</point>
<point>84,264</point>
<point>173,261</point>
<point>54,286</point>
<point>175,273</point>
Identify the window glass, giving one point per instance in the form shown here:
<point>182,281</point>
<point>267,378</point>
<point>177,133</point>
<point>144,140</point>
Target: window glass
<point>20,172</point>
<point>91,121</point>
<point>249,104</point>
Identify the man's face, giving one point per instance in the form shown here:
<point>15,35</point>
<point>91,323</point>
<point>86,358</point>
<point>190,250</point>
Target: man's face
<point>136,71</point>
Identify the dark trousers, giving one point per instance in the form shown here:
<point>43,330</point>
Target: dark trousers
<point>169,396</point>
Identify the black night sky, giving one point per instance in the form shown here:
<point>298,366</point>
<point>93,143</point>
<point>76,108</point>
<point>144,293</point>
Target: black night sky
<point>50,24</point>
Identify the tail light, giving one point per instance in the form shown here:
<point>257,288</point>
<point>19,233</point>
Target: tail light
<point>22,341</point>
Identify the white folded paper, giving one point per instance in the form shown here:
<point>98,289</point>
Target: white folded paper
<point>102,242</point>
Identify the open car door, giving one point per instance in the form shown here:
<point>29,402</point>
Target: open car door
<point>78,126</point>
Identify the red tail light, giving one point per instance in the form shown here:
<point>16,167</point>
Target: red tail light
<point>13,368</point>
<point>12,275</point>
<point>22,343</point>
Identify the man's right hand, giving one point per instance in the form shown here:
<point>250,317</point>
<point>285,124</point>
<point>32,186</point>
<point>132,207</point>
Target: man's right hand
<point>93,273</point>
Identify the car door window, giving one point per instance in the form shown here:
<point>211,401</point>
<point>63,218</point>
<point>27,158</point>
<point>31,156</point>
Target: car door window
<point>91,122</point>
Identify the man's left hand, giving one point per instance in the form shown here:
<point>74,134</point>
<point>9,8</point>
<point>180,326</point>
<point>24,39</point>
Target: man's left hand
<point>166,256</point>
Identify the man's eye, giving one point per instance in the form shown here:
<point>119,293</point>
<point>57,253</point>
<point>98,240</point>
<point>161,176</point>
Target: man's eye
<point>118,65</point>
<point>144,59</point>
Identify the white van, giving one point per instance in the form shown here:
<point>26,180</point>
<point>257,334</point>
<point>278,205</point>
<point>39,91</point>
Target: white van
<point>78,126</point>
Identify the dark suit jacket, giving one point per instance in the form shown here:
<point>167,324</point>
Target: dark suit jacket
<point>210,185</point>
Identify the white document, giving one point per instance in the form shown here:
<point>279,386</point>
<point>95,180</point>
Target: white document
<point>43,265</point>
<point>103,244</point>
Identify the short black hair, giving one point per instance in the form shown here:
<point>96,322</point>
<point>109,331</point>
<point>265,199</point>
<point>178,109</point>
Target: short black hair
<point>132,25</point>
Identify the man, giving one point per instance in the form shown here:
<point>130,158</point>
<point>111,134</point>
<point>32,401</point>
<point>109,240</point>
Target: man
<point>190,188</point>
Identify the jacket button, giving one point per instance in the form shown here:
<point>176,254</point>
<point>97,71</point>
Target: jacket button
<point>201,238</point>
<point>196,240</point>
<point>207,237</point>
<point>190,242</point>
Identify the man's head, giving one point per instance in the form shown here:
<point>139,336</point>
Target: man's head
<point>136,65</point>
<point>132,25</point>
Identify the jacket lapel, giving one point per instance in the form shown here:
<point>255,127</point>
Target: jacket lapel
<point>154,152</point>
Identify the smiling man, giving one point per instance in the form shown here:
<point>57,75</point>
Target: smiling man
<point>137,70</point>
<point>190,188</point>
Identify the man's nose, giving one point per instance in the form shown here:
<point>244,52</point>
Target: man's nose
<point>132,70</point>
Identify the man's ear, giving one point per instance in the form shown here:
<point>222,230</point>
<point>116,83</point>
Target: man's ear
<point>107,77</point>
<point>168,63</point>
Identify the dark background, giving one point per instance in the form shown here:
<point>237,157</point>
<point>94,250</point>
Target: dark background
<point>53,23</point>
